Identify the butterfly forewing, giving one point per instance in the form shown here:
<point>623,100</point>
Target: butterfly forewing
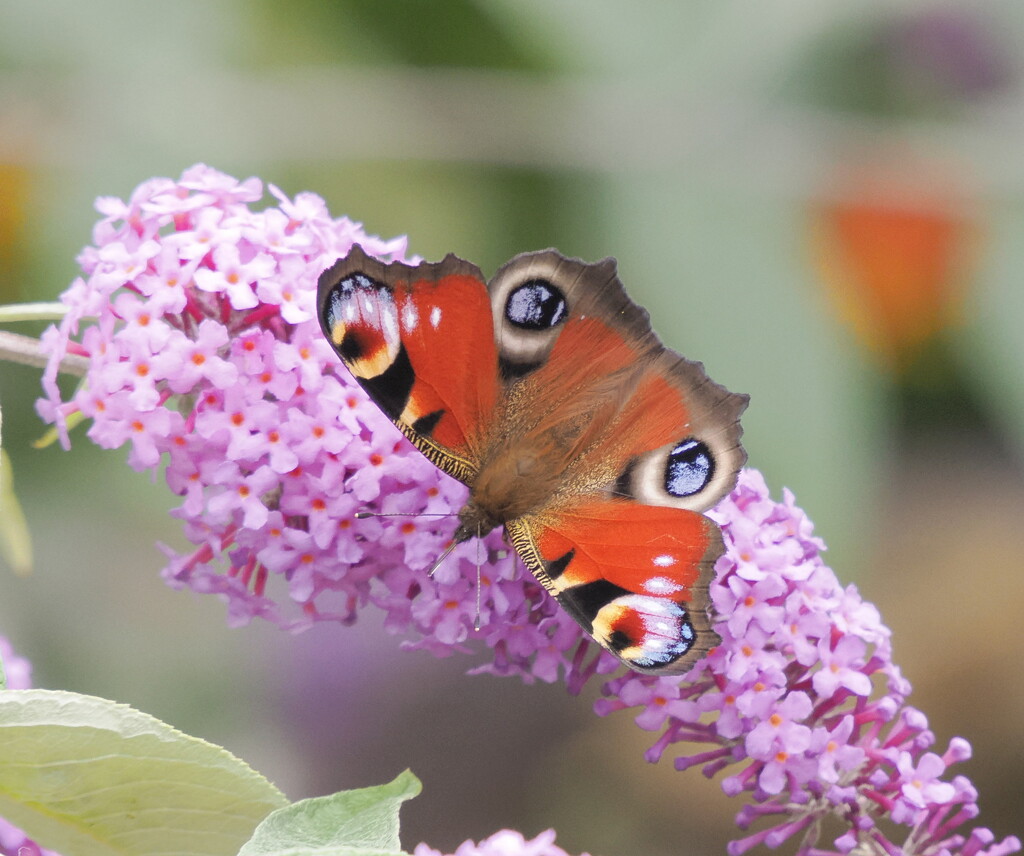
<point>408,334</point>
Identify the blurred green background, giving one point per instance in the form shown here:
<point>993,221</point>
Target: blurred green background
<point>823,201</point>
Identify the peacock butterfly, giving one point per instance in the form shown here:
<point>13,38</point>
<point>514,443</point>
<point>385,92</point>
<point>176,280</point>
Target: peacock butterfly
<point>546,392</point>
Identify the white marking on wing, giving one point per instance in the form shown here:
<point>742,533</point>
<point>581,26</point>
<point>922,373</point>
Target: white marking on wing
<point>410,317</point>
<point>662,586</point>
<point>390,324</point>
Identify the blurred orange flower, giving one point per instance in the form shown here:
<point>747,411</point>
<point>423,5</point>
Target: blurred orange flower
<point>895,246</point>
<point>14,192</point>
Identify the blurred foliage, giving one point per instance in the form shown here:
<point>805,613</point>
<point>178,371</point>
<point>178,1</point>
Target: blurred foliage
<point>934,61</point>
<point>456,33</point>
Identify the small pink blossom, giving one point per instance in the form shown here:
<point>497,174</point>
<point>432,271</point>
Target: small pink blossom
<point>781,732</point>
<point>238,280</point>
<point>842,665</point>
<point>188,361</point>
<point>920,785</point>
<point>504,843</point>
<point>837,756</point>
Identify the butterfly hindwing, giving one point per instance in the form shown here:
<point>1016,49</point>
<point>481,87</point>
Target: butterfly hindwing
<point>634,576</point>
<point>408,333</point>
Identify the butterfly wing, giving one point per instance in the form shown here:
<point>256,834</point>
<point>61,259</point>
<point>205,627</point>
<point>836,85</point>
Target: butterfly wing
<point>635,577</point>
<point>408,333</point>
<point>650,443</point>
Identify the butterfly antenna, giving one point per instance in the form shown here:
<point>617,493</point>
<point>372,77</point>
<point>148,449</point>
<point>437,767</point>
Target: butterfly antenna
<point>479,562</point>
<point>364,515</point>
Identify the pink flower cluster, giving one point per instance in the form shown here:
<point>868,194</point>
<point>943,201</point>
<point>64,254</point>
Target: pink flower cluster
<point>503,843</point>
<point>197,315</point>
<point>17,670</point>
<point>14,842</point>
<point>204,353</point>
<point>803,695</point>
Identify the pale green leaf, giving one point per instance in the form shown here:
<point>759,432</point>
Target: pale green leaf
<point>335,850</point>
<point>89,777</point>
<point>15,540</point>
<point>363,821</point>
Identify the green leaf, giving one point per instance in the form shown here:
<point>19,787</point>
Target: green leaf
<point>335,850</point>
<point>15,540</point>
<point>90,777</point>
<point>363,821</point>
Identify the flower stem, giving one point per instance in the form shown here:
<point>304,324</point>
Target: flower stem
<point>27,350</point>
<point>32,312</point>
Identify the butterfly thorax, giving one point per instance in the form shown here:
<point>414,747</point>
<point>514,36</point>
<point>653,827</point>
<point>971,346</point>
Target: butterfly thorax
<point>525,471</point>
<point>514,483</point>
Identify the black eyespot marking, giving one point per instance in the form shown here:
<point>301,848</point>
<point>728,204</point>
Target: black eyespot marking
<point>358,280</point>
<point>536,305</point>
<point>426,424</point>
<point>689,469</point>
<point>584,601</point>
<point>353,347</point>
<point>619,640</point>
<point>511,371</point>
<point>343,290</point>
<point>556,567</point>
<point>390,391</point>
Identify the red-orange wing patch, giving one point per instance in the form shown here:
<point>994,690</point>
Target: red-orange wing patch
<point>420,340</point>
